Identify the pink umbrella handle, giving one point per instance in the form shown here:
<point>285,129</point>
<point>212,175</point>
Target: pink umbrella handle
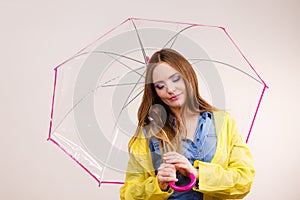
<point>186,187</point>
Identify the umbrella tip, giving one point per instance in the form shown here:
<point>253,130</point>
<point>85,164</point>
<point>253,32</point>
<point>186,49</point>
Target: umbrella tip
<point>223,28</point>
<point>131,18</point>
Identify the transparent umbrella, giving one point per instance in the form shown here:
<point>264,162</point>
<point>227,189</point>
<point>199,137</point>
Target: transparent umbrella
<point>98,90</point>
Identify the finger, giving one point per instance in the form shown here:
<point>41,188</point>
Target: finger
<point>182,167</point>
<point>177,159</point>
<point>166,178</point>
<point>171,154</point>
<point>166,166</point>
<point>174,160</point>
<point>167,171</point>
<point>167,174</point>
<point>170,168</point>
<point>171,158</point>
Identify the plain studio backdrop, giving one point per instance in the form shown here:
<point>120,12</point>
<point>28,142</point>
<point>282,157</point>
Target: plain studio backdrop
<point>38,35</point>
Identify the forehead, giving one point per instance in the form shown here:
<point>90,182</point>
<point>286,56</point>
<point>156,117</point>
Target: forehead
<point>162,72</point>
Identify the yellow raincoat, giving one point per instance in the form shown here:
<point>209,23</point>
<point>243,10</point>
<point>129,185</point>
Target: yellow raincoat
<point>228,176</point>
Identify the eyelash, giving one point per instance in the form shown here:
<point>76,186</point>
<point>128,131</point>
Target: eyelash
<point>174,79</point>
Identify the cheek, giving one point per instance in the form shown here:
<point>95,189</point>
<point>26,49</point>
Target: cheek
<point>181,86</point>
<point>160,93</point>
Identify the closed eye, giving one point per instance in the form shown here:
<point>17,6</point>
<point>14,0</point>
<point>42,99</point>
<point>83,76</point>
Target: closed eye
<point>176,77</point>
<point>159,86</point>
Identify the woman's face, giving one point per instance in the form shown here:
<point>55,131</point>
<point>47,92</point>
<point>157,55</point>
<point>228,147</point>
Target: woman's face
<point>169,86</point>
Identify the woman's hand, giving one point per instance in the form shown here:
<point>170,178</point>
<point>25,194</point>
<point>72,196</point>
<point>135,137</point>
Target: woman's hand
<point>166,173</point>
<point>181,163</point>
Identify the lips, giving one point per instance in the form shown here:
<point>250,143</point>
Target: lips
<point>175,97</point>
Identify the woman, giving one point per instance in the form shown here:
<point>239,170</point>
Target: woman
<point>180,133</point>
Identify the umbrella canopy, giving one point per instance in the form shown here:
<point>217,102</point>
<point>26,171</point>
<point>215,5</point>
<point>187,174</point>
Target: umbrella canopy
<point>98,90</point>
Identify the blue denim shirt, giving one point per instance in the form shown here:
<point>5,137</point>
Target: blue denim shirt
<point>202,148</point>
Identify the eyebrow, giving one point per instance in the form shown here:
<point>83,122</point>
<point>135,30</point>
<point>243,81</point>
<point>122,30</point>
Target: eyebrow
<point>168,78</point>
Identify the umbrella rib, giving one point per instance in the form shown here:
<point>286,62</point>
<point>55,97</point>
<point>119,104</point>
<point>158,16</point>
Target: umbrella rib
<point>216,61</point>
<point>72,108</point>
<point>121,84</point>
<point>174,38</point>
<point>132,70</point>
<point>132,100</point>
<point>118,77</point>
<point>140,41</point>
<point>130,94</point>
<point>76,104</point>
<point>116,54</point>
<point>107,52</point>
<point>108,81</point>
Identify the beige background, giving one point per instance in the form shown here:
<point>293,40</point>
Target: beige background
<point>38,35</point>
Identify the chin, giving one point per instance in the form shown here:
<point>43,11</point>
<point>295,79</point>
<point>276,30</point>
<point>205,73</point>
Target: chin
<point>176,105</point>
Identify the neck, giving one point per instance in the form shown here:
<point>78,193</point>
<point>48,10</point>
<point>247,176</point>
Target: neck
<point>177,112</point>
<point>187,114</point>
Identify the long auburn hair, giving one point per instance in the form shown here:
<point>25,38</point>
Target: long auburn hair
<point>155,116</point>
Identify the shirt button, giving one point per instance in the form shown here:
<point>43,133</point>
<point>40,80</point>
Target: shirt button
<point>198,139</point>
<point>200,150</point>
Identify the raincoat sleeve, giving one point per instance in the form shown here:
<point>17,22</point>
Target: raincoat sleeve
<point>141,181</point>
<point>231,173</point>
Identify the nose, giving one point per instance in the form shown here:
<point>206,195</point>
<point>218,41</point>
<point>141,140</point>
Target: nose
<point>170,88</point>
